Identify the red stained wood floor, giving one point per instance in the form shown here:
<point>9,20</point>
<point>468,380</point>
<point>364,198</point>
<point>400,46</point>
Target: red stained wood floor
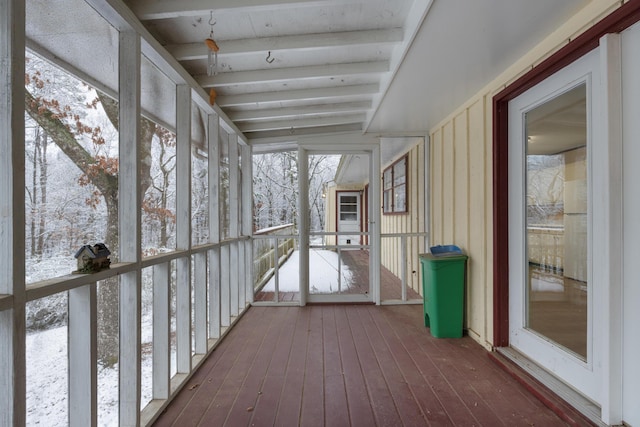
<point>350,365</point>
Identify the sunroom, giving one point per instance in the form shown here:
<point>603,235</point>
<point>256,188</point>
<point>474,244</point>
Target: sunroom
<point>232,166</point>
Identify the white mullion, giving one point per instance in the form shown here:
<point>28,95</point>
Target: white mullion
<point>225,276</point>
<point>12,321</point>
<point>242,278</point>
<point>247,221</point>
<point>161,331</point>
<point>303,221</point>
<point>183,226</point>
<point>374,223</point>
<point>82,360</point>
<point>214,293</point>
<point>129,213</point>
<point>200,301</point>
<point>403,273</point>
<point>233,222</point>
<point>214,225</point>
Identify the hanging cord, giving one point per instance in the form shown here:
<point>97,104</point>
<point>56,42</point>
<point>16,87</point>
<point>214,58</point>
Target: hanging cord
<point>212,57</point>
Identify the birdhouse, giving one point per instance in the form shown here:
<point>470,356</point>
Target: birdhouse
<point>92,259</point>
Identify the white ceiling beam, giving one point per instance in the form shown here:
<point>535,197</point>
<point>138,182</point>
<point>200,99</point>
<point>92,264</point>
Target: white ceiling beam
<point>264,140</point>
<point>302,123</point>
<point>337,92</point>
<point>293,73</point>
<point>281,113</point>
<point>295,43</point>
<point>154,9</point>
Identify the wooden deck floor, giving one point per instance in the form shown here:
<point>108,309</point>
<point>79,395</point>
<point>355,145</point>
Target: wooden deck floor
<point>350,366</point>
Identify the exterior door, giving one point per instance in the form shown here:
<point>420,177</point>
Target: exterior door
<point>349,218</point>
<point>552,243</point>
<point>631,222</point>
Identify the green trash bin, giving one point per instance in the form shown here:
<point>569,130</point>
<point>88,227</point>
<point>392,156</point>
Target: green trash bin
<point>443,292</point>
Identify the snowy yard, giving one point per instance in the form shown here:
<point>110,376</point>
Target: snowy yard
<point>323,274</point>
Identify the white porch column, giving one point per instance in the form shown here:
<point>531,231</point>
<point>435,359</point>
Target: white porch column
<point>129,216</point>
<point>214,225</point>
<point>247,219</point>
<point>183,226</point>
<point>233,223</point>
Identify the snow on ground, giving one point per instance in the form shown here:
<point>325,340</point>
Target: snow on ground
<point>47,381</point>
<point>323,273</point>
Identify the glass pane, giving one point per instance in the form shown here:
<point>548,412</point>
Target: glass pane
<point>400,196</point>
<point>399,172</point>
<point>159,172</point>
<point>388,182</point>
<point>46,361</point>
<point>71,169</point>
<point>386,202</point>
<point>199,178</point>
<point>557,220</point>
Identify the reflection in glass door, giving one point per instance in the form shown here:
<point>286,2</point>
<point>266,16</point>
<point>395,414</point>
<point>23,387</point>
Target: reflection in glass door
<point>556,220</point>
<point>553,129</point>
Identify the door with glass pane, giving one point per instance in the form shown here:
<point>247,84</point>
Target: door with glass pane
<point>551,243</point>
<point>349,218</point>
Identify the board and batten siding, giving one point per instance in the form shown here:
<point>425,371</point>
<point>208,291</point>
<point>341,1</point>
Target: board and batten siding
<point>461,172</point>
<point>414,221</point>
<point>461,204</point>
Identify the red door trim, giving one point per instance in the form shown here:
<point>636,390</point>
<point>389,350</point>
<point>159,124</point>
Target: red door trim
<point>622,18</point>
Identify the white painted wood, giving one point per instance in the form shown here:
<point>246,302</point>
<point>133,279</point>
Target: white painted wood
<point>242,277</point>
<point>183,315</point>
<point>311,72</point>
<point>303,223</point>
<point>82,357</point>
<point>129,212</point>
<point>585,377</point>
<point>214,225</point>
<point>161,331</point>
<point>301,123</point>
<point>234,226</point>
<point>248,251</point>
<point>247,222</point>
<point>200,302</point>
<point>283,113</point>
<point>234,279</point>
<point>225,294</point>
<point>631,290</point>
<point>214,293</point>
<point>612,302</point>
<point>415,18</point>
<point>213,163</point>
<point>149,9</point>
<point>183,227</point>
<point>12,323</point>
<point>234,187</point>
<point>374,223</point>
<point>354,92</point>
<point>291,43</point>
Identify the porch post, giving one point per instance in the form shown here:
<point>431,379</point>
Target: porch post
<point>374,222</point>
<point>303,222</point>
<point>12,286</point>
<point>129,216</point>
<point>214,224</point>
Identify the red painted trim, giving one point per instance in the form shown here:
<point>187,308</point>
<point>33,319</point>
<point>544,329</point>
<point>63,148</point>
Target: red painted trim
<point>622,18</point>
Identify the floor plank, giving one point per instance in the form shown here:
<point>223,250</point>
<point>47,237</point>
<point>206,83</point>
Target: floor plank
<point>343,365</point>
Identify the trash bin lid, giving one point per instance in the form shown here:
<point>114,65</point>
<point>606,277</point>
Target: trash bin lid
<point>445,250</point>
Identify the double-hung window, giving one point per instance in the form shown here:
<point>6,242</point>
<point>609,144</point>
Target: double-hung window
<point>394,184</point>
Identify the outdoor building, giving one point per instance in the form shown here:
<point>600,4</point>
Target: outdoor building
<point>214,163</point>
